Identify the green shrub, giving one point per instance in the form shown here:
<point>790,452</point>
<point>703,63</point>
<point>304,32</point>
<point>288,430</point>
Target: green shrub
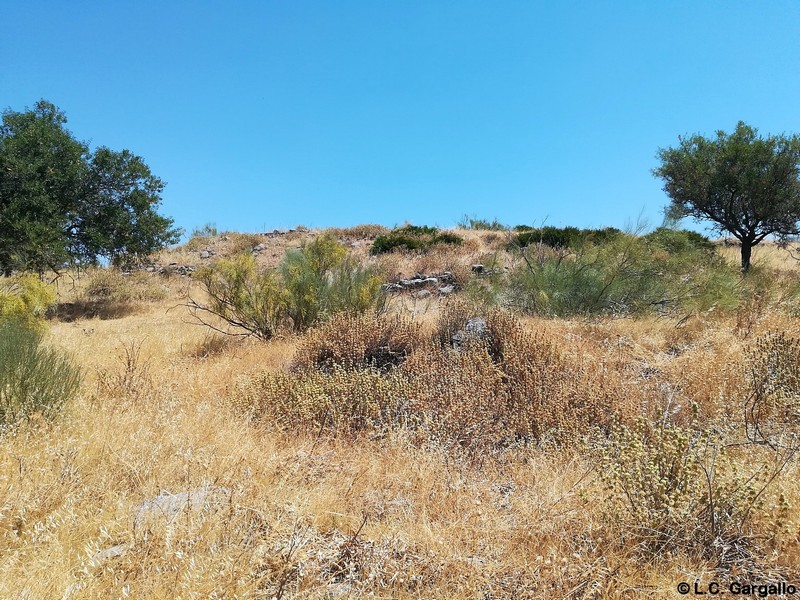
<point>207,230</point>
<point>562,237</point>
<point>624,275</point>
<point>482,224</point>
<point>25,297</point>
<point>322,279</point>
<point>241,296</point>
<point>618,277</point>
<point>677,241</point>
<point>33,377</point>
<point>413,237</point>
<point>311,283</point>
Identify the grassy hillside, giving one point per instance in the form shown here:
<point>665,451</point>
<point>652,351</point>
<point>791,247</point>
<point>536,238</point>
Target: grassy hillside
<point>602,454</point>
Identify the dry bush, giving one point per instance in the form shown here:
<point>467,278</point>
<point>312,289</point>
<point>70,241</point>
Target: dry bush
<point>131,379</point>
<point>113,287</point>
<point>211,345</point>
<point>444,258</point>
<point>453,316</point>
<point>350,341</point>
<point>242,243</point>
<point>366,231</point>
<point>524,388</point>
<point>772,409</point>
<point>509,387</point>
<point>673,489</point>
<point>110,294</point>
<point>392,266</point>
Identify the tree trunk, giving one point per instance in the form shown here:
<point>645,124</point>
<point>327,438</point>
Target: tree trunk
<point>747,251</point>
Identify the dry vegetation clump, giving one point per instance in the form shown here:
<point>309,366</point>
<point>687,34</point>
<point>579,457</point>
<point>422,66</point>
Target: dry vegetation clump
<point>358,232</point>
<point>358,341</point>
<point>506,388</point>
<point>513,385</point>
<point>673,489</point>
<point>108,293</point>
<point>773,404</point>
<point>242,243</point>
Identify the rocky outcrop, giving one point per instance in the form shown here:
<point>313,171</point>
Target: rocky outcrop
<point>442,284</point>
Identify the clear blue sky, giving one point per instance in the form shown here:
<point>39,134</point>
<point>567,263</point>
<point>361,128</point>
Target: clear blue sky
<point>263,115</point>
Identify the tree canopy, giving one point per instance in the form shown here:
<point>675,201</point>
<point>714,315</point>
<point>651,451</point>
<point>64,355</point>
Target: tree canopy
<point>64,205</point>
<point>745,184</point>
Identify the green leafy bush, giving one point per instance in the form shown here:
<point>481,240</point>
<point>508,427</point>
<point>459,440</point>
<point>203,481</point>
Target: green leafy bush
<point>617,277</point>
<point>482,224</point>
<point>321,279</point>
<point>624,275</point>
<point>561,237</point>
<point>676,241</point>
<point>25,297</point>
<point>33,377</point>
<point>242,296</point>
<point>313,282</point>
<point>413,237</point>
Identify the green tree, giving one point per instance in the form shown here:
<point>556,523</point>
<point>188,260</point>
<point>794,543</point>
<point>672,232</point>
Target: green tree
<point>62,205</point>
<point>745,184</point>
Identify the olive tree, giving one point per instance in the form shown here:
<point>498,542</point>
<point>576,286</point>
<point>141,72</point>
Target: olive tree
<point>747,185</point>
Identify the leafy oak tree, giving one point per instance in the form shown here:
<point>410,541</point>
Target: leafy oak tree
<point>62,205</point>
<point>745,184</point>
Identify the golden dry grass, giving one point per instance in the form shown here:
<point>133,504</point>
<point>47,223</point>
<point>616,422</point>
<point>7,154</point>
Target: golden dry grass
<point>300,513</point>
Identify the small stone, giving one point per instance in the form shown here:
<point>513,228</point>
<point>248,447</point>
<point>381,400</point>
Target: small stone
<point>166,506</point>
<point>446,290</point>
<point>422,294</point>
<point>205,254</point>
<point>102,556</point>
<point>474,330</point>
<point>478,268</point>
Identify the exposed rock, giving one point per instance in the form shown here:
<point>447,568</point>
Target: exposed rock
<point>412,283</point>
<point>422,294</point>
<point>166,506</point>
<point>259,248</point>
<point>478,268</point>
<point>446,290</point>
<point>101,556</point>
<point>474,330</point>
<point>205,254</point>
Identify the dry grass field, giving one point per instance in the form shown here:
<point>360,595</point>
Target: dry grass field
<point>154,483</point>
